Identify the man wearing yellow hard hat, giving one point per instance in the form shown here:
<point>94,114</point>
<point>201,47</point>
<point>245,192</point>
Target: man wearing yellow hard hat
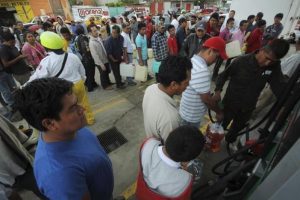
<point>66,66</point>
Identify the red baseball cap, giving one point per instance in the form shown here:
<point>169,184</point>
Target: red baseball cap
<point>217,43</point>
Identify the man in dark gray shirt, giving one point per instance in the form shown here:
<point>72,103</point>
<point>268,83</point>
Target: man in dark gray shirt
<point>11,59</point>
<point>193,43</point>
<point>248,76</point>
<point>134,28</point>
<point>273,31</point>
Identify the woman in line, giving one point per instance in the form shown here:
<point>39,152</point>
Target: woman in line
<point>35,51</point>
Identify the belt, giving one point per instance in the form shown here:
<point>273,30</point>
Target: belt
<point>129,53</point>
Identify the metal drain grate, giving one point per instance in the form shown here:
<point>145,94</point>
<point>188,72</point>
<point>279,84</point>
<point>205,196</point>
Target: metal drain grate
<point>111,139</point>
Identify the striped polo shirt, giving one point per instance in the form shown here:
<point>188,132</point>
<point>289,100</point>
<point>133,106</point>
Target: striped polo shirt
<point>192,109</point>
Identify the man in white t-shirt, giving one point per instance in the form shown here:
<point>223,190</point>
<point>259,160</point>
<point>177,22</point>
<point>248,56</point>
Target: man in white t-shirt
<point>159,108</point>
<point>128,49</point>
<point>174,21</point>
<point>197,97</point>
<point>236,22</point>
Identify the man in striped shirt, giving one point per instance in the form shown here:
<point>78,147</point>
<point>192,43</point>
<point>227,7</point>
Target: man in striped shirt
<point>196,98</point>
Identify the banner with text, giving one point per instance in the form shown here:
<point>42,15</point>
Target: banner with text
<point>81,12</point>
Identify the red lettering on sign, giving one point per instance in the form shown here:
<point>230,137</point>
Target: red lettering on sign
<point>87,11</point>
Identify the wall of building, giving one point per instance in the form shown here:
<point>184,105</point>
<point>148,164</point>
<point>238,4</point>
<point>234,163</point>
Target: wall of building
<point>89,2</point>
<point>67,9</point>
<point>38,5</point>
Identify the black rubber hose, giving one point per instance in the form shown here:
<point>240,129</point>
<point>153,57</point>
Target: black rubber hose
<point>224,161</point>
<point>221,184</point>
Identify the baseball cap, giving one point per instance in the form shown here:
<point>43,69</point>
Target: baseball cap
<point>217,43</point>
<point>200,25</point>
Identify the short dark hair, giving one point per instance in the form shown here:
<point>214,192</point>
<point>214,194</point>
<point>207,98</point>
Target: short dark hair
<point>113,20</point>
<point>141,25</point>
<point>215,16</point>
<point>161,18</point>
<point>251,17</point>
<point>46,25</point>
<point>89,27</point>
<point>79,30</point>
<point>174,69</point>
<point>243,22</point>
<point>261,23</point>
<point>230,20</point>
<point>194,16</point>
<point>124,25</point>
<point>260,15</point>
<point>170,27</point>
<point>279,47</point>
<point>279,15</point>
<point>182,20</point>
<point>134,18</point>
<point>117,28</point>
<point>8,36</point>
<point>184,143</point>
<point>42,99</point>
<point>65,30</point>
<point>221,17</point>
<point>232,11</point>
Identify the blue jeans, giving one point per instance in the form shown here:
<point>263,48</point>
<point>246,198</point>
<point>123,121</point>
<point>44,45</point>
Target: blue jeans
<point>130,60</point>
<point>7,85</point>
<point>184,122</point>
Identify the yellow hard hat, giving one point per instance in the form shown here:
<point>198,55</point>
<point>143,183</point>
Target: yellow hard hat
<point>51,40</point>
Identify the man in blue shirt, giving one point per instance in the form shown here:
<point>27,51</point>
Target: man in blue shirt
<point>69,162</point>
<point>114,49</point>
<point>141,45</point>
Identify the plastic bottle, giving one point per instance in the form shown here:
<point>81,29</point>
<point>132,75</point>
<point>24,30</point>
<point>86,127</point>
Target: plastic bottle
<point>214,136</point>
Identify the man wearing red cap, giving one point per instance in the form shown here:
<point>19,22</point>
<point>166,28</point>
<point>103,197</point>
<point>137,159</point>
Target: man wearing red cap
<point>196,98</point>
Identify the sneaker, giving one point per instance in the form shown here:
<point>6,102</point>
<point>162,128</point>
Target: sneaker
<point>108,87</point>
<point>90,89</point>
<point>149,77</point>
<point>121,87</point>
<point>132,83</point>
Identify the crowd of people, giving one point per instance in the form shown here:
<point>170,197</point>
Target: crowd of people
<point>55,64</point>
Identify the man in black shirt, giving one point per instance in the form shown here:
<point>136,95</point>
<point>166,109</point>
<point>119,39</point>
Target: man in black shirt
<point>248,76</point>
<point>181,32</point>
<point>11,59</point>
